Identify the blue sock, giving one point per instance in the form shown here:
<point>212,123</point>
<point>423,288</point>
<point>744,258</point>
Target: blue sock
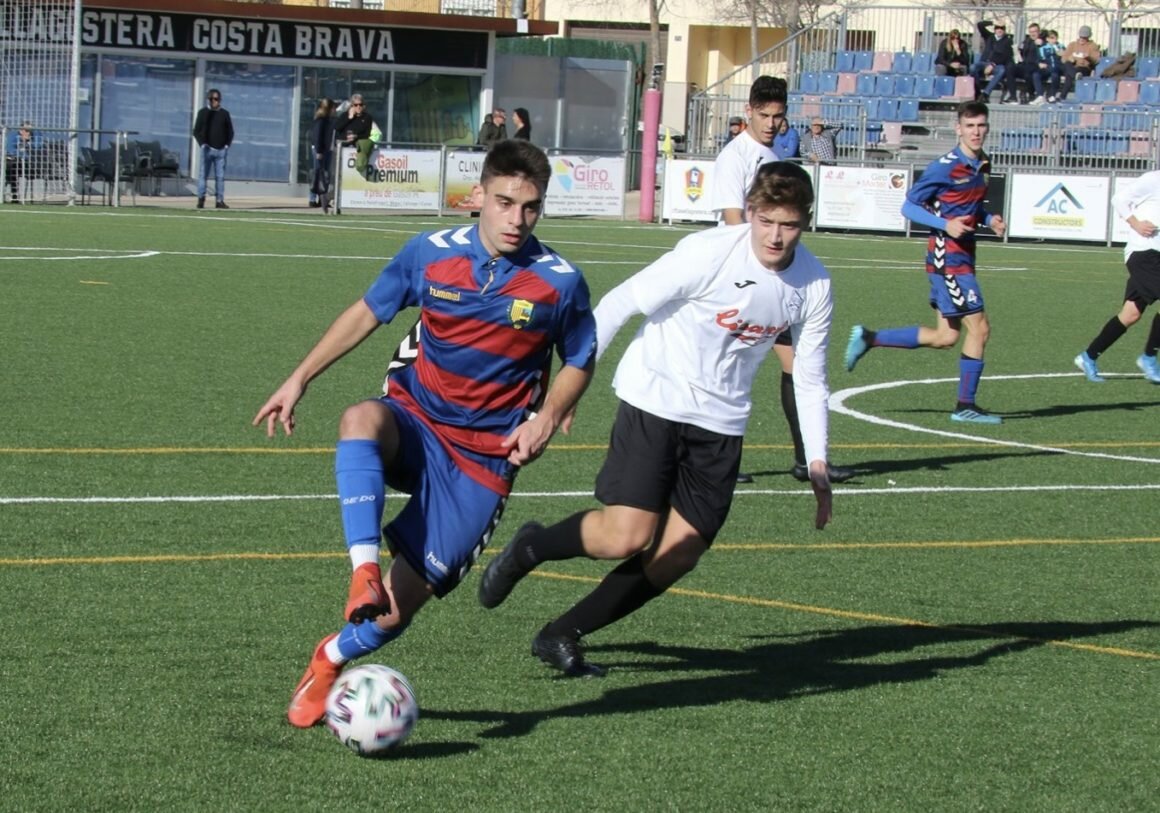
<point>356,640</point>
<point>903,337</point>
<point>970,371</point>
<point>358,469</point>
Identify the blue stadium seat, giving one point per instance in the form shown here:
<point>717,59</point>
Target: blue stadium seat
<point>1150,93</point>
<point>1113,117</point>
<point>904,85</point>
<point>832,108</point>
<point>809,82</point>
<point>1135,117</point>
<point>1021,139</point>
<point>1085,90</point>
<point>1148,67</point>
<point>903,62</point>
<point>1103,63</point>
<point>944,86</point>
<point>1096,142</point>
<point>866,84</point>
<point>863,60</point>
<point>923,62</point>
<point>1105,90</point>
<point>887,110</point>
<point>924,86</point>
<point>908,110</point>
<point>884,84</point>
<point>844,62</point>
<point>828,82</point>
<point>871,104</point>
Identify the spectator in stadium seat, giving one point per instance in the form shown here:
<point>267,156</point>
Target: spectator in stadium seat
<point>948,198</point>
<point>1134,202</point>
<point>353,129</point>
<point>712,308</point>
<point>1080,58</point>
<point>996,58</point>
<point>820,146</point>
<point>493,129</point>
<point>1028,63</point>
<point>19,149</point>
<point>953,57</point>
<point>1049,68</point>
<point>787,142</point>
<point>214,132</point>
<point>522,119</point>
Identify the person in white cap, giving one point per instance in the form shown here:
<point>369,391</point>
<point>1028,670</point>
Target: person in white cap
<point>1079,59</point>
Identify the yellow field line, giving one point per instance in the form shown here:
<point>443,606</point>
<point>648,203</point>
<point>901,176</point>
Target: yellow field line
<point>567,447</point>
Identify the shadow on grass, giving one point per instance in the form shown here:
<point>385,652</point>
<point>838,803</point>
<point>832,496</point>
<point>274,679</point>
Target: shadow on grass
<point>940,463</point>
<point>812,663</point>
<point>1053,411</point>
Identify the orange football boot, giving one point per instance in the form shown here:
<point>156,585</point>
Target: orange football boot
<point>368,597</point>
<point>308,705</point>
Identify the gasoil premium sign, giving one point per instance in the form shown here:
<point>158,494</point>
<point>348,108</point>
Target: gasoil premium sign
<point>203,34</point>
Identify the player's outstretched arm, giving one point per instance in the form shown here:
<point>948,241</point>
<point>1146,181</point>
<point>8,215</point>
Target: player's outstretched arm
<point>344,334</point>
<point>531,437</point>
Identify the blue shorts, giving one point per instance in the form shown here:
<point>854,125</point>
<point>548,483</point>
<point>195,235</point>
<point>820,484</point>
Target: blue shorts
<point>955,295</point>
<point>449,519</point>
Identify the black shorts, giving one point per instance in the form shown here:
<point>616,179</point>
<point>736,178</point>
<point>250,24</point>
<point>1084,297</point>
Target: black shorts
<point>654,463</point>
<point>1143,286</point>
<point>784,338</point>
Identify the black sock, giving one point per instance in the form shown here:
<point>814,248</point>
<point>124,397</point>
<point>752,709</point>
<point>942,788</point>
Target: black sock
<point>789,406</point>
<point>622,592</point>
<point>1112,331</point>
<point>559,541</point>
<point>1153,337</point>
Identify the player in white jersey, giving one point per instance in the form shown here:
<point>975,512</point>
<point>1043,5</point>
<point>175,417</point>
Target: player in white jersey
<point>713,307</point>
<point>733,173</point>
<point>1139,204</point>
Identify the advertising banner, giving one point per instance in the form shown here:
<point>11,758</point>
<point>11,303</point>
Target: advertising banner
<point>861,198</point>
<point>394,179</point>
<point>585,185</point>
<point>687,190</point>
<point>462,174</point>
<point>1069,207</point>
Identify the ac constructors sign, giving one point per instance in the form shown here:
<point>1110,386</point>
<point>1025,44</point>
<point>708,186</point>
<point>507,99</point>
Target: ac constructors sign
<point>585,185</point>
<point>1071,207</point>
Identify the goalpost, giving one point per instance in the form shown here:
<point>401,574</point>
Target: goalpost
<point>39,81</point>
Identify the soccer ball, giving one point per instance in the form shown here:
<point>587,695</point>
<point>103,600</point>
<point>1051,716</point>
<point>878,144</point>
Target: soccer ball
<point>371,709</point>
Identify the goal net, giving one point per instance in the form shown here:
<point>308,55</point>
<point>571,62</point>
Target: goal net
<point>39,67</point>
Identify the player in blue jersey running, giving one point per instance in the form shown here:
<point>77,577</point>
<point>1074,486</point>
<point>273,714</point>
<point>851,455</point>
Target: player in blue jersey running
<point>948,198</point>
<point>457,423</point>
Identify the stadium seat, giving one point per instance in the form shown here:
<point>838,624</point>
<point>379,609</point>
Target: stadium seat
<point>1127,91</point>
<point>811,106</point>
<point>892,131</point>
<point>887,109</point>
<point>1022,139</point>
<point>1091,115</point>
<point>903,62</point>
<point>924,86</point>
<point>865,85</point>
<point>828,82</point>
<point>884,84</point>
<point>923,62</point>
<point>847,83</point>
<point>1103,63</point>
<point>844,62</point>
<point>863,60</point>
<point>1085,90</point>
<point>1148,67</point>
<point>964,87</point>
<point>1135,117</point>
<point>908,110</point>
<point>883,62</point>
<point>944,86</point>
<point>871,105</point>
<point>1140,143</point>
<point>1150,92</point>
<point>1113,117</point>
<point>904,84</point>
<point>809,82</point>
<point>1105,90</point>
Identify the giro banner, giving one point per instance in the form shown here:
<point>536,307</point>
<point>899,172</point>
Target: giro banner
<point>1072,207</point>
<point>394,179</point>
<point>585,185</point>
<point>686,186</point>
<point>861,198</point>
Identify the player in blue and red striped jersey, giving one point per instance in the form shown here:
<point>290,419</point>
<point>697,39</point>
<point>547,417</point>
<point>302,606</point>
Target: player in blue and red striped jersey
<point>456,424</point>
<point>948,198</point>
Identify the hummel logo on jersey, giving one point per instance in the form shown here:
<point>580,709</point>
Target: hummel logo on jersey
<point>745,284</point>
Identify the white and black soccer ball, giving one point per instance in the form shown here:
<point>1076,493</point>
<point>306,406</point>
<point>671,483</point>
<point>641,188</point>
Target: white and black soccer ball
<point>371,709</point>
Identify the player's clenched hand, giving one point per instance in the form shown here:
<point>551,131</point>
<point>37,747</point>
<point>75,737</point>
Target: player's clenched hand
<point>998,225</point>
<point>958,226</point>
<point>1144,228</point>
<point>280,408</point>
<point>820,482</point>
<point>528,441</point>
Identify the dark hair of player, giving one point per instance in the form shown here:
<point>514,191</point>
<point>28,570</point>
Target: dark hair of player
<point>971,109</point>
<point>782,183</point>
<point>521,159</point>
<point>767,89</point>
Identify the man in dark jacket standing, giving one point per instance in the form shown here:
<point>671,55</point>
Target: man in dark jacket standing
<point>995,59</point>
<point>214,132</point>
<point>493,129</point>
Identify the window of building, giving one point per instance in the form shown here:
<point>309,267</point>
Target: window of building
<point>260,99</point>
<point>435,109</point>
<point>150,96</point>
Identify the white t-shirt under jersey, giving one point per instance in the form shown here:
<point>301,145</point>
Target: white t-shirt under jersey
<point>734,170</point>
<point>712,312</point>
<point>1130,197</point>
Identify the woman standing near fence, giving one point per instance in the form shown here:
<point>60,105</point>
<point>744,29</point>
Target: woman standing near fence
<point>523,121</point>
<point>322,154</point>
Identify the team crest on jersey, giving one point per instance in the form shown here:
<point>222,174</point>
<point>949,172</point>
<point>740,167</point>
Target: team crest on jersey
<point>521,313</point>
<point>694,184</point>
